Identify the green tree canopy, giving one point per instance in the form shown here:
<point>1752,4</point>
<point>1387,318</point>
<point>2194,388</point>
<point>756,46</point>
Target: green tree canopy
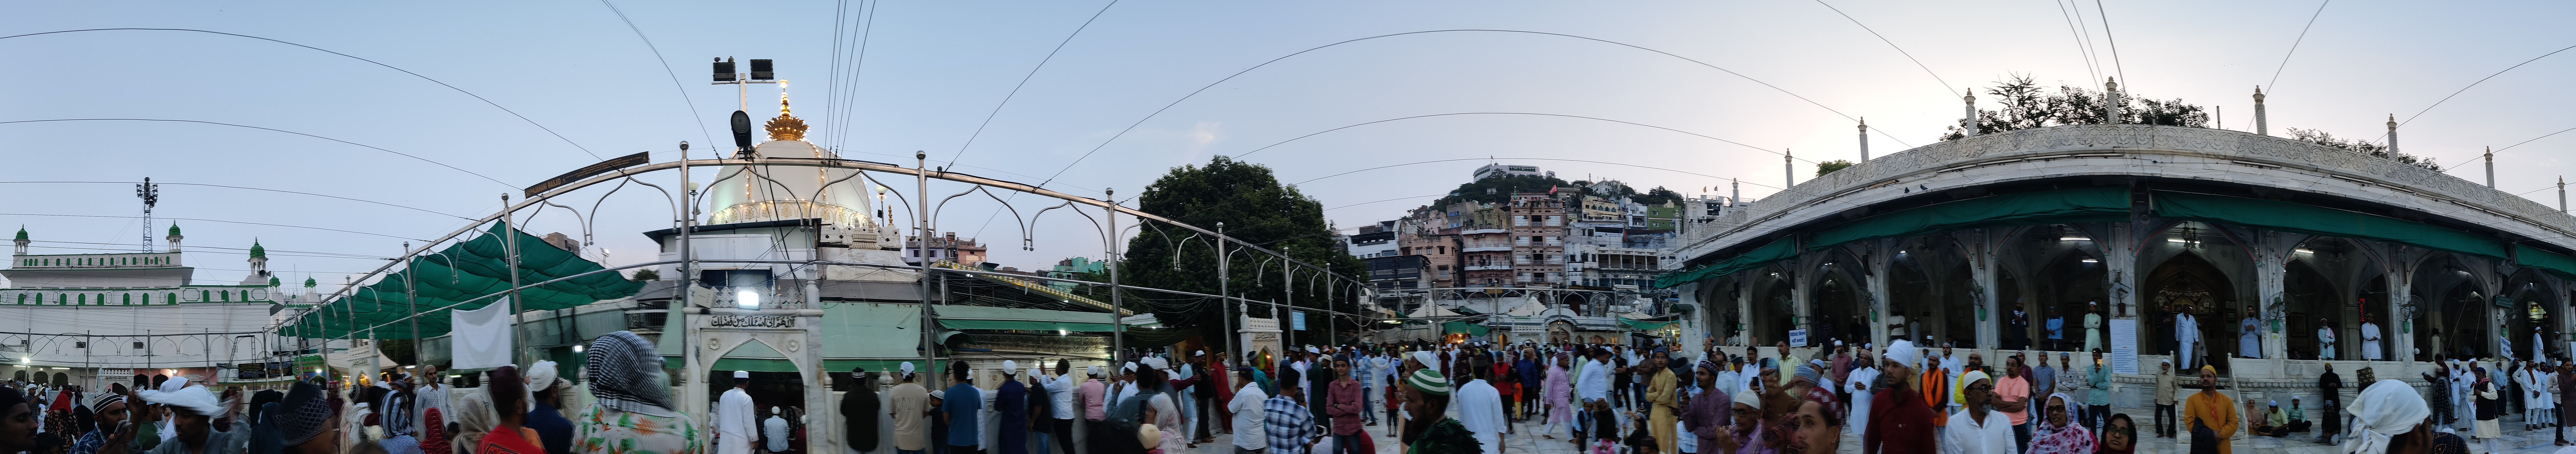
<point>1256,208</point>
<point>1826,167</point>
<point>1500,189</point>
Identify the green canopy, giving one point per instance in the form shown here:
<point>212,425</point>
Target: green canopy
<point>1777,250</point>
<point>1645,325</point>
<point>2320,221</point>
<point>1470,329</point>
<point>471,273</point>
<point>2552,262</point>
<point>981,317</point>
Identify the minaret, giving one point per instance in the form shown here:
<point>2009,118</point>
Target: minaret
<point>2111,103</point>
<point>22,240</point>
<point>1731,201</point>
<point>1789,169</point>
<point>2263,125</point>
<point>2562,193</point>
<point>174,237</point>
<point>1968,122</point>
<point>258,259</point>
<point>2392,134</point>
<point>2490,167</point>
<point>1864,139</point>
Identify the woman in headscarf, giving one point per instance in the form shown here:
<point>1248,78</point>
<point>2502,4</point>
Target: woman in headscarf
<point>473,421</point>
<point>2119,435</point>
<point>631,410</point>
<point>2058,432</point>
<point>2389,417</point>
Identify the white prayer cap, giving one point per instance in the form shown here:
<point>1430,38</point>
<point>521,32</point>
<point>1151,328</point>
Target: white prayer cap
<point>773,409</point>
<point>1129,368</point>
<point>1200,353</point>
<point>1903,352</point>
<point>1157,363</point>
<point>1095,370</point>
<point>1312,349</point>
<point>1009,366</point>
<point>741,374</point>
<point>1428,359</point>
<point>907,367</point>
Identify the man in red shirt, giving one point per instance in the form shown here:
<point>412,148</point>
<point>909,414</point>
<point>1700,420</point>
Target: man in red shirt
<point>1344,404</point>
<point>1899,420</point>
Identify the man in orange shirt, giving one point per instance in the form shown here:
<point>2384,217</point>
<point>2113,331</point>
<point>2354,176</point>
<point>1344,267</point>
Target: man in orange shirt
<point>2209,415</point>
<point>1936,393</point>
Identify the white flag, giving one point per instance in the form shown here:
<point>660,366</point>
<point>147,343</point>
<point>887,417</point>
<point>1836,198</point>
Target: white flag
<point>480,338</point>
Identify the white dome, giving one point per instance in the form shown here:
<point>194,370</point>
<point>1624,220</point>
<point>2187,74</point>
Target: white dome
<point>772,193</point>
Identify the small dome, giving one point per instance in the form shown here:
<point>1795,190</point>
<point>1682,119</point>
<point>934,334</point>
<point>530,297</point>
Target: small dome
<point>256,251</point>
<point>174,229</point>
<point>22,232</point>
<point>272,281</point>
<point>310,283</point>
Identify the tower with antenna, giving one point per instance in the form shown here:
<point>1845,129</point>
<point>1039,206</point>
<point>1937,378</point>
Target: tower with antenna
<point>151,195</point>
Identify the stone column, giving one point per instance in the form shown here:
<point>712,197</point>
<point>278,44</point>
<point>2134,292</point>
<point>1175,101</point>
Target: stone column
<point>2394,323</point>
<point>1743,311</point>
<point>2271,261</point>
<point>1981,249</point>
<point>2120,266</point>
<point>1802,293</point>
<point>1875,264</point>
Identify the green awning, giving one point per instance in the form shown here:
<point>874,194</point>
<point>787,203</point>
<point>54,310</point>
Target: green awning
<point>468,271</point>
<point>2552,262</point>
<point>2320,221</point>
<point>980,317</point>
<point>2102,204</point>
<point>1470,329</point>
<point>1646,326</point>
<point>1777,250</point>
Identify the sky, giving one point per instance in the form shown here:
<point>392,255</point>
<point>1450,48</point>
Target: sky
<point>1680,94</point>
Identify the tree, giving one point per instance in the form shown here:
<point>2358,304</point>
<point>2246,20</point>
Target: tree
<point>1255,208</point>
<point>1826,167</point>
<point>2024,104</point>
<point>1500,189</point>
<point>2320,137</point>
<point>1657,196</point>
<point>646,275</point>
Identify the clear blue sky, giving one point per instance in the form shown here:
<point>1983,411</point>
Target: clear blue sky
<point>934,70</point>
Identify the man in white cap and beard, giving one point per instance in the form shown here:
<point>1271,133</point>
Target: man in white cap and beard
<point>193,410</point>
<point>736,417</point>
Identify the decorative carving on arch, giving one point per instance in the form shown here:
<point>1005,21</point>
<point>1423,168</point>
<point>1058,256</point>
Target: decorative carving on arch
<point>2189,284</point>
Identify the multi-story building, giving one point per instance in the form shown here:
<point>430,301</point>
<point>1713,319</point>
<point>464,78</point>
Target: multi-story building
<point>1485,244</point>
<point>946,247</point>
<point>1538,239</point>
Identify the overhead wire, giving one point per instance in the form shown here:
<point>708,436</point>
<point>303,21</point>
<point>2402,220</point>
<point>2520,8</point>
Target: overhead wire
<point>214,220</point>
<point>407,155</point>
<point>710,136</point>
<point>1024,82</point>
<point>560,136</point>
<point>1909,56</point>
<point>1704,136</point>
<point>1166,107</point>
<point>2083,37</point>
<point>255,189</point>
<point>858,67</point>
<point>2294,45</point>
<point>2114,40</point>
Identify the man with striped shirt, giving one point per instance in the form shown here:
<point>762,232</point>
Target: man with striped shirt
<point>1287,422</point>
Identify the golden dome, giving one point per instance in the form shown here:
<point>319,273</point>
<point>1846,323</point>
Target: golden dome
<point>786,126</point>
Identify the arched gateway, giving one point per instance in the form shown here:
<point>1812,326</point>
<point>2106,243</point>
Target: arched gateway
<point>2266,257</point>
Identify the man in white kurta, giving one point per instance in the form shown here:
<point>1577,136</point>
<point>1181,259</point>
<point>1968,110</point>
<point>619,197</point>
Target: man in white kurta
<point>2187,335</point>
<point>1593,382</point>
<point>736,420</point>
<point>2251,344</point>
<point>2467,410</point>
<point>2093,327</point>
<point>2325,341</point>
<point>2370,349</point>
<point>1975,428</point>
<point>1480,409</point>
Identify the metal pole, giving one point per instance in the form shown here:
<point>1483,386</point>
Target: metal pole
<point>1287,295</point>
<point>1117,330</point>
<point>1226,308</point>
<point>688,278</point>
<point>921,224</point>
<point>411,295</point>
<point>510,243</point>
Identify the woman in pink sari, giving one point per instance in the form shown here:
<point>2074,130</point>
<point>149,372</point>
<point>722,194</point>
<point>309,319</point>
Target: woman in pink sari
<point>2058,433</point>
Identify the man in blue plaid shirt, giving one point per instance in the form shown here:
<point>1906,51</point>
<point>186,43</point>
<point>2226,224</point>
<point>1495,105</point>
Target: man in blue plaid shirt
<point>1286,419</point>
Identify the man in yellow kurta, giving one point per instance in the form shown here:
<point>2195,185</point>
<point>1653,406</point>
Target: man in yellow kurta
<point>1664,391</point>
<point>2212,409</point>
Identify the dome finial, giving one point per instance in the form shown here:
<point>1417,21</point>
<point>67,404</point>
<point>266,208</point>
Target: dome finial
<point>786,126</point>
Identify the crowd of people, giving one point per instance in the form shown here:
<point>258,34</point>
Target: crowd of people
<point>1601,398</point>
